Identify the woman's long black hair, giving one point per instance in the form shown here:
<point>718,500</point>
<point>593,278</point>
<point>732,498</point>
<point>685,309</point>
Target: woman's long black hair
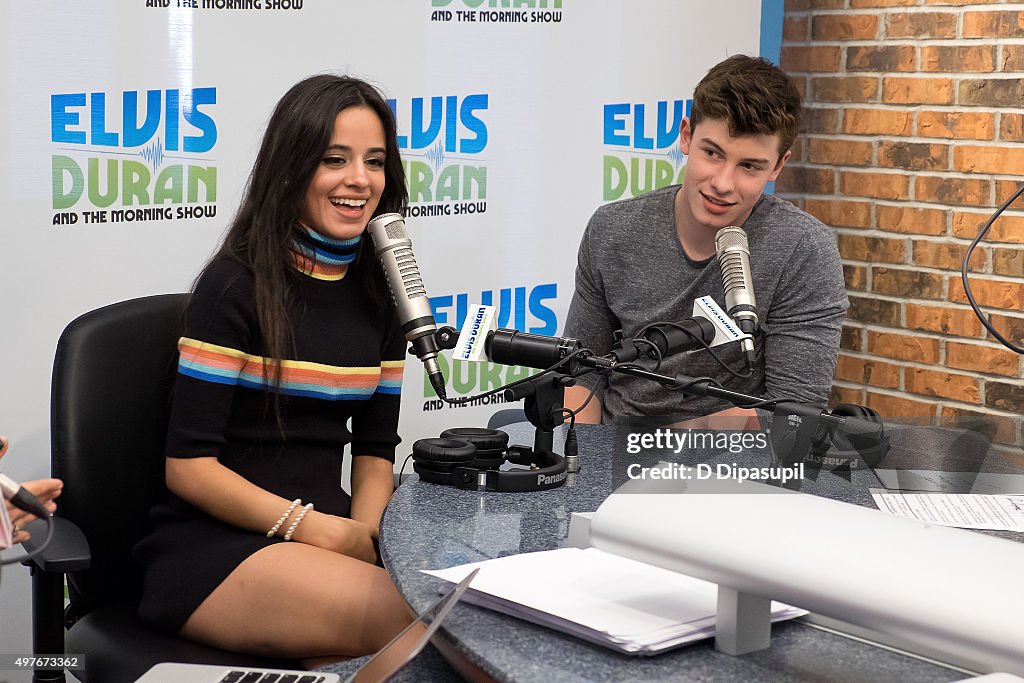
<point>266,226</point>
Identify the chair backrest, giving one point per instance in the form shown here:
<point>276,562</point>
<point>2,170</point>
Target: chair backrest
<point>109,405</point>
<point>506,416</point>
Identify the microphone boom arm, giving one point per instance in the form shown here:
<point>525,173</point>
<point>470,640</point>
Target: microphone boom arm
<point>786,445</point>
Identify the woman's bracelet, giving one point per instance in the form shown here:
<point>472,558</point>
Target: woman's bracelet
<point>273,530</point>
<point>302,513</point>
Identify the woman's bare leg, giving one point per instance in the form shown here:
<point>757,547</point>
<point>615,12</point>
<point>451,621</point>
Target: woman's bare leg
<point>293,600</point>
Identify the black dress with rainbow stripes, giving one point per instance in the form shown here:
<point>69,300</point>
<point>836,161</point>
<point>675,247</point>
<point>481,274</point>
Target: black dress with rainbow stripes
<point>348,363</point>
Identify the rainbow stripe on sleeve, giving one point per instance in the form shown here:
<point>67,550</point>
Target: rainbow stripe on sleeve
<point>224,365</point>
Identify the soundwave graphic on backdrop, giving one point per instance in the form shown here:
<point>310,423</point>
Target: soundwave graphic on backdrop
<point>497,11</point>
<point>525,308</point>
<point>442,141</point>
<point>642,147</point>
<point>133,156</point>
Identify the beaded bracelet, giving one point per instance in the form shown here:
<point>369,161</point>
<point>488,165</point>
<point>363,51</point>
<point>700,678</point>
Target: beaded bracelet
<point>273,530</point>
<point>302,513</point>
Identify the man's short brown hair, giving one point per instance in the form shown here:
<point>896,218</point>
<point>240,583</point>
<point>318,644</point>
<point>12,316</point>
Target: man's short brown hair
<point>753,96</point>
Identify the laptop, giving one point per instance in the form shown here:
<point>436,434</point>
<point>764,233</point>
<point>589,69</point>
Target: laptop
<point>381,667</point>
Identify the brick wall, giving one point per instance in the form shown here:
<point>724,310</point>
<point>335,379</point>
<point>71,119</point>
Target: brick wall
<point>913,134</point>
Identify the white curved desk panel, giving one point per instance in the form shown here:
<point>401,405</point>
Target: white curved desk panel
<point>949,590</point>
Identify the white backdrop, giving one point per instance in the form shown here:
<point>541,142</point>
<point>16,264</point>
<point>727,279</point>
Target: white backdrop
<point>518,118</point>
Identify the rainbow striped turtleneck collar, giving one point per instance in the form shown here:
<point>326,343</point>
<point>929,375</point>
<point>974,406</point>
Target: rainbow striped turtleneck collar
<point>321,257</point>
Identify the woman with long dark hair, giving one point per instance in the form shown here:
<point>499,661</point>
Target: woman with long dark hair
<point>288,337</point>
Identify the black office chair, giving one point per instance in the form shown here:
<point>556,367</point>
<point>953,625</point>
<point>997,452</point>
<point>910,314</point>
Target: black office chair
<point>112,377</point>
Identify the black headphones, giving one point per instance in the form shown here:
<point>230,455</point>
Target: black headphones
<point>836,448</point>
<point>470,458</point>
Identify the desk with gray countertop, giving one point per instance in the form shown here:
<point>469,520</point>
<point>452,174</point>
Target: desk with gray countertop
<point>427,526</point>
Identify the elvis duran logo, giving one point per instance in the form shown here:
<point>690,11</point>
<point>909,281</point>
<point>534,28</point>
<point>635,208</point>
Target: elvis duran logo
<point>497,11</point>
<point>522,308</point>
<point>442,139</point>
<point>133,156</point>
<point>642,147</point>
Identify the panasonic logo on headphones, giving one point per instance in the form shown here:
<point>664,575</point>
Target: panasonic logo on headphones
<point>543,479</point>
<point>823,460</point>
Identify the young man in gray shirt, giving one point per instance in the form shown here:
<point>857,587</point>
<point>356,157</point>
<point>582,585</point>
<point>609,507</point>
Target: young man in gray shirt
<point>646,259</point>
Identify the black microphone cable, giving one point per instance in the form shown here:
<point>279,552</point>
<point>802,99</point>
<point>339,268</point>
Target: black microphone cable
<point>641,339</point>
<point>41,548</point>
<point>401,473</point>
<point>570,446</point>
<point>765,403</point>
<point>967,284</point>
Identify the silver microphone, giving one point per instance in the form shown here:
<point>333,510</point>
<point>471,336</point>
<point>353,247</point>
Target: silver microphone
<point>394,249</point>
<point>734,259</point>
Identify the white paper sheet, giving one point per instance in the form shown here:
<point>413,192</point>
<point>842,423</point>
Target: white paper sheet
<point>609,600</point>
<point>964,510</point>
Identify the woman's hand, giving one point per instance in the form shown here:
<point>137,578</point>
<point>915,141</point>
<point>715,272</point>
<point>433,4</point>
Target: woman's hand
<point>338,534</point>
<point>229,497</point>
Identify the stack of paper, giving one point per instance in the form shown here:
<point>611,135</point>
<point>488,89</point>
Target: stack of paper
<point>964,510</point>
<point>622,604</point>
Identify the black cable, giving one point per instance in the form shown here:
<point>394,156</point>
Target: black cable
<point>41,548</point>
<point>683,386</point>
<point>766,403</point>
<point>704,345</point>
<point>654,348</point>
<point>401,472</point>
<point>573,414</point>
<point>967,285</point>
<point>570,447</point>
<point>631,366</point>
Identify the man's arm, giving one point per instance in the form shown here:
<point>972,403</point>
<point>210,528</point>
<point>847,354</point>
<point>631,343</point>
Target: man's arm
<point>592,322</point>
<point>575,396</point>
<point>805,323</point>
<point>728,418</point>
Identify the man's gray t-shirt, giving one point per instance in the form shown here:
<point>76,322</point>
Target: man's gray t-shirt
<point>632,271</point>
